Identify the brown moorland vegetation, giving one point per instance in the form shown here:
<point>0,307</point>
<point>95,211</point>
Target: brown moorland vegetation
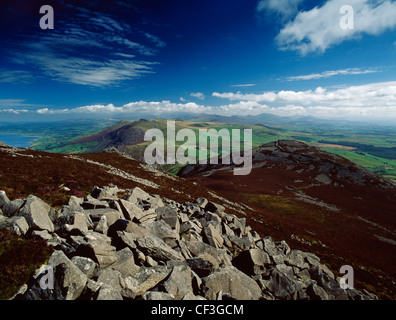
<point>318,202</point>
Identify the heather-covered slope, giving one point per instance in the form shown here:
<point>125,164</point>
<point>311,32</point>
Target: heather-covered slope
<point>286,198</point>
<point>327,203</point>
<point>147,247</point>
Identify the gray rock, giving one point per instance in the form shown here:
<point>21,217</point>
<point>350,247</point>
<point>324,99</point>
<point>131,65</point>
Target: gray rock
<point>75,202</point>
<point>136,195</point>
<point>112,278</point>
<point>107,292</point>
<point>213,236</point>
<point>107,192</point>
<point>215,208</point>
<point>143,249</point>
<point>184,250</point>
<point>150,262</point>
<point>269,246</point>
<point>286,270</point>
<point>157,249</point>
<point>282,248</point>
<point>179,282</point>
<point>94,204</point>
<point>125,263</point>
<point>163,231</point>
<point>186,226</point>
<point>143,281</point>
<point>136,231</point>
<point>155,201</point>
<point>86,265</point>
<point>65,217</point>
<point>72,280</point>
<point>130,209</point>
<point>324,178</point>
<point>231,281</point>
<point>354,294</point>
<point>201,202</point>
<point>281,286</point>
<point>197,248</point>
<point>296,258</point>
<point>252,262</point>
<point>316,293</point>
<point>111,215</point>
<point>16,224</point>
<point>8,207</point>
<point>102,226</point>
<point>244,243</point>
<point>203,265</point>
<point>169,215</point>
<point>43,234</point>
<point>36,213</point>
<point>157,296</point>
<point>126,239</point>
<point>97,247</point>
<point>328,283</point>
<point>79,222</point>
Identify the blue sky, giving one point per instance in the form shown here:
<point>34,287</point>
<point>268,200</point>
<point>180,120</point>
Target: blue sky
<point>243,57</point>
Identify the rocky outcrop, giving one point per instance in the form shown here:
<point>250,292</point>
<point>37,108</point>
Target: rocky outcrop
<point>145,247</point>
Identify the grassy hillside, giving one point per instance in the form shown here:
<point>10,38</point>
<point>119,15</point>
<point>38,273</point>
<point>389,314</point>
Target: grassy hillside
<point>372,147</point>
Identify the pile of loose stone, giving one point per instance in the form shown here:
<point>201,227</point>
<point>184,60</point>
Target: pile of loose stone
<point>147,247</point>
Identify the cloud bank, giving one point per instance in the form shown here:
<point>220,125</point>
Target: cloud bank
<point>375,101</point>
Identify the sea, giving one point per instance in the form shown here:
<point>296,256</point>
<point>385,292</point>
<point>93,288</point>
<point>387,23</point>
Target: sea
<point>17,140</point>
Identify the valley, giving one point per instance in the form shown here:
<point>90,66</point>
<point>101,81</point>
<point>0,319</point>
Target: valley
<point>370,146</point>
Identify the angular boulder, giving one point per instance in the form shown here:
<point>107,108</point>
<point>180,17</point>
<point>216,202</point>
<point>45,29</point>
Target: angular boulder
<point>157,249</point>
<point>232,281</point>
<point>71,278</point>
<point>36,213</point>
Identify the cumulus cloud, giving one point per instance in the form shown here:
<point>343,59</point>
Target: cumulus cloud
<point>376,100</point>
<point>14,111</point>
<point>150,107</point>
<point>318,29</point>
<point>376,93</point>
<point>198,95</point>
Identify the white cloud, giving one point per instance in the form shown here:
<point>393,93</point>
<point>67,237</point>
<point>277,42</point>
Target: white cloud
<point>151,107</point>
<point>156,40</point>
<point>11,76</point>
<point>88,48</point>
<point>14,111</point>
<point>84,71</point>
<point>319,29</point>
<point>377,100</point>
<point>243,85</point>
<point>285,8</point>
<point>125,55</point>
<point>327,74</point>
<point>198,95</point>
<point>375,93</point>
<point>17,103</point>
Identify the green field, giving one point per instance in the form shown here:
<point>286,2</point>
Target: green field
<point>372,147</point>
